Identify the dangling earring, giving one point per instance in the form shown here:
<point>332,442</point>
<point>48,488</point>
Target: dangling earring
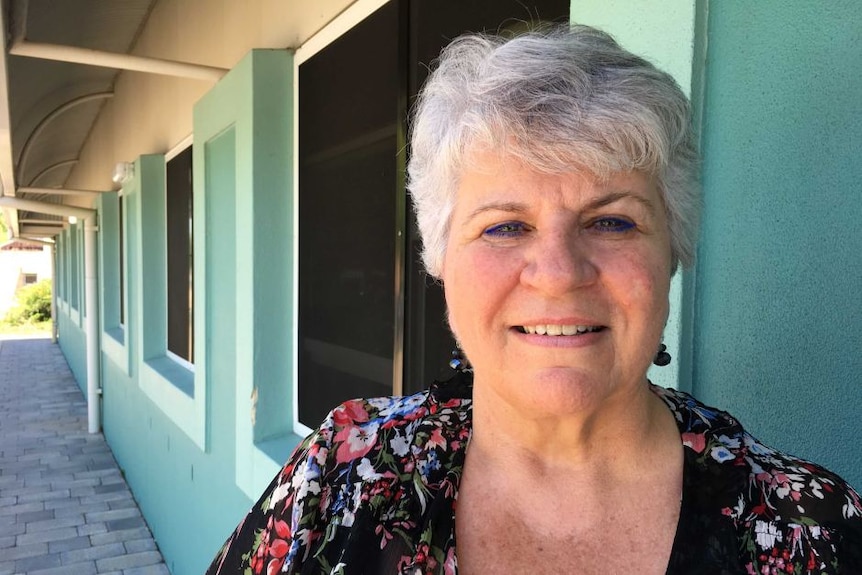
<point>662,358</point>
<point>459,361</point>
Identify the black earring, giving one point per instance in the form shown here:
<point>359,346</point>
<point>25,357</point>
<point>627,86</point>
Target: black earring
<point>662,358</point>
<point>459,362</point>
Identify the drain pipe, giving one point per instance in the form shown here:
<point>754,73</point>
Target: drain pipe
<point>86,56</point>
<point>54,330</point>
<point>90,290</point>
<point>94,388</point>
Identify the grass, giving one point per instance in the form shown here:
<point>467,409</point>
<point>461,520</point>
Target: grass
<point>41,329</point>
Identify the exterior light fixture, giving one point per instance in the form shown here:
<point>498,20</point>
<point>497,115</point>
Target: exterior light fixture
<point>123,172</point>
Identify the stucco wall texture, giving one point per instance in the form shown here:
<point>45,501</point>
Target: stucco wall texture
<point>778,325</point>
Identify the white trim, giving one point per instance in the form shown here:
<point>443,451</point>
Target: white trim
<point>332,31</point>
<point>352,16</point>
<point>294,324</point>
<point>178,148</point>
<point>182,361</point>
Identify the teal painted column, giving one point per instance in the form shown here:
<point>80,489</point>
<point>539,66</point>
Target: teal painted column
<point>779,312</point>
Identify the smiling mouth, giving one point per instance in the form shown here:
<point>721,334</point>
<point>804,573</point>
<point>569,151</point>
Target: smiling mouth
<point>552,329</point>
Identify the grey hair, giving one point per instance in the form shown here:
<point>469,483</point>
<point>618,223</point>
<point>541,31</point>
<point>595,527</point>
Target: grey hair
<point>559,99</point>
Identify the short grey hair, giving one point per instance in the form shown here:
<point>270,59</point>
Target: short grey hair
<point>559,99</point>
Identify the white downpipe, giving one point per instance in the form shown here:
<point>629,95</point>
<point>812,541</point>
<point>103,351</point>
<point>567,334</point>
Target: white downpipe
<point>118,61</point>
<point>94,390</point>
<point>54,293</point>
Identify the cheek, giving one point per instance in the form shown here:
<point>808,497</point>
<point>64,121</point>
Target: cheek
<point>643,289</point>
<point>476,282</point>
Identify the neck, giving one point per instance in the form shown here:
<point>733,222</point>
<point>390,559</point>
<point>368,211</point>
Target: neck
<point>613,438</point>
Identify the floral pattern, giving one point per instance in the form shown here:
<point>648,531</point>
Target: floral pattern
<point>373,490</point>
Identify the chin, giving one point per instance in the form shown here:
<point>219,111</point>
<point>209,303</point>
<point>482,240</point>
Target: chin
<point>561,391</point>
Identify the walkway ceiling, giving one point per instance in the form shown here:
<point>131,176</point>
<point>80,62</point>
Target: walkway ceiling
<point>48,107</point>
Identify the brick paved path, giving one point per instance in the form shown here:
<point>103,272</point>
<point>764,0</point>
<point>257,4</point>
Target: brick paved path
<point>64,506</point>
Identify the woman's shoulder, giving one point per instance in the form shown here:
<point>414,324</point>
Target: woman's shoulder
<point>380,435</point>
<point>777,476</point>
<point>777,500</point>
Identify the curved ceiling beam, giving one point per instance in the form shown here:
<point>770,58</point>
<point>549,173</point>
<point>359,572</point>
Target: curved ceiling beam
<point>51,168</point>
<point>40,127</point>
<point>62,191</point>
<point>91,57</point>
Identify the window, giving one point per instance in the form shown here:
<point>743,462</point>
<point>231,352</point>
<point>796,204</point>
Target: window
<point>347,133</point>
<point>180,258</point>
<point>74,265</point>
<point>30,279</point>
<point>370,322</point>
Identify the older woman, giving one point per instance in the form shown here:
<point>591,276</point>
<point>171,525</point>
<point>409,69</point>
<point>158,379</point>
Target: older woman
<point>554,182</point>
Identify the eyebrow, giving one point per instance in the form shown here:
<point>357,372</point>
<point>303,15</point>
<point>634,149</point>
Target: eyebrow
<point>600,202</point>
<point>614,197</point>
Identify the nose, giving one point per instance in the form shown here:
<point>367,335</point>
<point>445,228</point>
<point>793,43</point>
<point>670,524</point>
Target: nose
<point>557,263</point>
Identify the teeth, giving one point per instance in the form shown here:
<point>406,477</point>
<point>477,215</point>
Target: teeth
<point>555,329</point>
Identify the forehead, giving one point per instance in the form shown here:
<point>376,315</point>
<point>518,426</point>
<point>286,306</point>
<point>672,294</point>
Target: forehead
<point>491,174</point>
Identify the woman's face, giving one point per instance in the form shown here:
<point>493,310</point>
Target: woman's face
<point>557,285</point>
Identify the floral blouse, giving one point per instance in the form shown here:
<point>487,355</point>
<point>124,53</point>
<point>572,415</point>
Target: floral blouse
<point>373,491</point>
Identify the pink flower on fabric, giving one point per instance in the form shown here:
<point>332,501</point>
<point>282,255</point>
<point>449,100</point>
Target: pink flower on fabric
<point>437,439</point>
<point>349,413</point>
<point>355,441</point>
<point>450,565</point>
<point>695,441</point>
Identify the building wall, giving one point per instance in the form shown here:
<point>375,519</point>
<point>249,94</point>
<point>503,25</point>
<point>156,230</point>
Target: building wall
<point>207,457</point>
<point>69,317</point>
<point>779,308</point>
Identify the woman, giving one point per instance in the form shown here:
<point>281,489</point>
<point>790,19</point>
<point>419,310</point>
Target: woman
<point>554,182</point>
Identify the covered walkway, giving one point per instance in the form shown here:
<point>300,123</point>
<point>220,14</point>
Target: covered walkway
<point>64,505</point>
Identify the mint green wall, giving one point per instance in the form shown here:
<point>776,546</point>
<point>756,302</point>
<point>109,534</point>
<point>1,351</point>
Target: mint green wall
<point>661,31</point>
<point>72,337</point>
<point>779,280</point>
<point>192,489</point>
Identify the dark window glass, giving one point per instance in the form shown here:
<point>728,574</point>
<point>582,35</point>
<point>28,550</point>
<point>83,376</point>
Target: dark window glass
<point>180,255</point>
<point>347,189</point>
<point>74,265</point>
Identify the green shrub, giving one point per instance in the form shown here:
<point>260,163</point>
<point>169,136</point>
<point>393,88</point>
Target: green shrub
<point>34,304</point>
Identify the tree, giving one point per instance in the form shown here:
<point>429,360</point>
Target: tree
<point>34,304</point>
